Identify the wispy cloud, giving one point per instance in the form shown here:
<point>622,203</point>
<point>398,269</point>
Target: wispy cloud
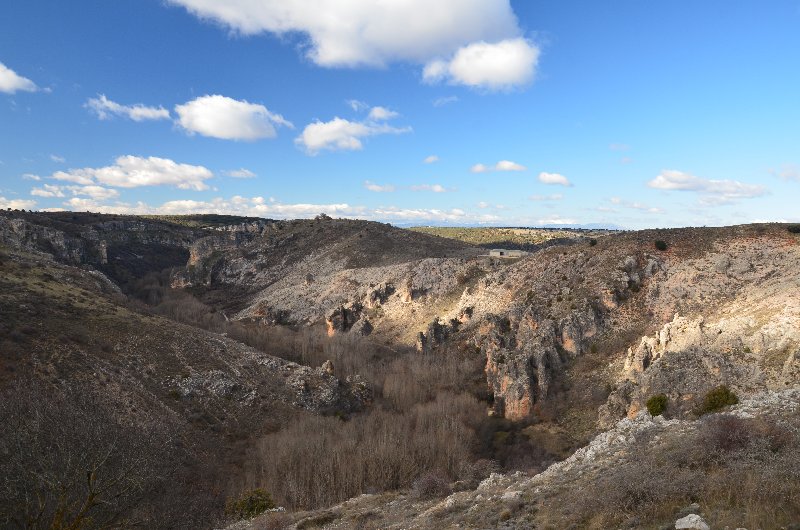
<point>240,173</point>
<point>787,172</point>
<point>105,109</point>
<point>545,198</point>
<point>712,192</point>
<point>503,165</point>
<point>633,205</point>
<point>378,188</point>
<point>431,159</point>
<point>446,100</point>
<point>435,188</point>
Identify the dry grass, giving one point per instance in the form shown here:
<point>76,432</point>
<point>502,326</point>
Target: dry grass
<point>742,472</point>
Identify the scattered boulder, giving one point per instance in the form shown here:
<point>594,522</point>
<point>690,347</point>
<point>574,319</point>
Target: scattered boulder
<point>691,522</point>
<point>327,367</point>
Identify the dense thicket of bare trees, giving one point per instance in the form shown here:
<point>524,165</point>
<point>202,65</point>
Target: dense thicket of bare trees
<point>320,461</point>
<point>66,462</point>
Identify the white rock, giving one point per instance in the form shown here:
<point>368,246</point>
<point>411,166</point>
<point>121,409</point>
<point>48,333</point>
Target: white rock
<point>691,522</point>
<point>511,495</point>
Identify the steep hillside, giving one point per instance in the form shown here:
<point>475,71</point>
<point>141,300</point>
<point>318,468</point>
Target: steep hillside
<point>67,330</point>
<point>299,272</point>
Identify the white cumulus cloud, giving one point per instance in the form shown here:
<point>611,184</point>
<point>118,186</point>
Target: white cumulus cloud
<point>133,171</point>
<point>492,66</point>
<point>16,204</point>
<point>712,192</point>
<point>367,32</point>
<point>554,179</point>
<point>47,190</point>
<point>222,117</point>
<point>341,134</point>
<point>381,114</point>
<point>106,109</point>
<point>11,82</point>
<point>503,165</point>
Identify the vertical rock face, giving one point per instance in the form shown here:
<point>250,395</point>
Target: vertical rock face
<point>128,246</point>
<point>523,353</point>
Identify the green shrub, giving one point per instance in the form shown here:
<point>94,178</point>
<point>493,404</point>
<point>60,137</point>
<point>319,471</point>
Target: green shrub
<point>657,404</point>
<point>661,245</point>
<point>794,229</point>
<point>592,242</point>
<point>717,399</point>
<point>249,504</point>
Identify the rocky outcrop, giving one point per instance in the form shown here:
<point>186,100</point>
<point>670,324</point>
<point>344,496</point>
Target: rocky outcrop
<point>21,234</point>
<point>436,335</point>
<point>690,356</point>
<point>342,318</point>
<point>525,352</point>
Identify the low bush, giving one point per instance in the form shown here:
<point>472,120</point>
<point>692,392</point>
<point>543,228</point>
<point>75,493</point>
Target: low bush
<point>661,245</point>
<point>431,485</point>
<point>657,404</point>
<point>726,433</point>
<point>794,229</point>
<point>717,399</point>
<point>249,504</point>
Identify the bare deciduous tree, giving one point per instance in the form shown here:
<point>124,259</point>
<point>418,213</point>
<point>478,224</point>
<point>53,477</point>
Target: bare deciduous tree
<point>66,463</point>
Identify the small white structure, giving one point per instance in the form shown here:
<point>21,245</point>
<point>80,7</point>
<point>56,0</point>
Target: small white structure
<point>503,253</point>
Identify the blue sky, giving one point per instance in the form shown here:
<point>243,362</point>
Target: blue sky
<point>626,113</point>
